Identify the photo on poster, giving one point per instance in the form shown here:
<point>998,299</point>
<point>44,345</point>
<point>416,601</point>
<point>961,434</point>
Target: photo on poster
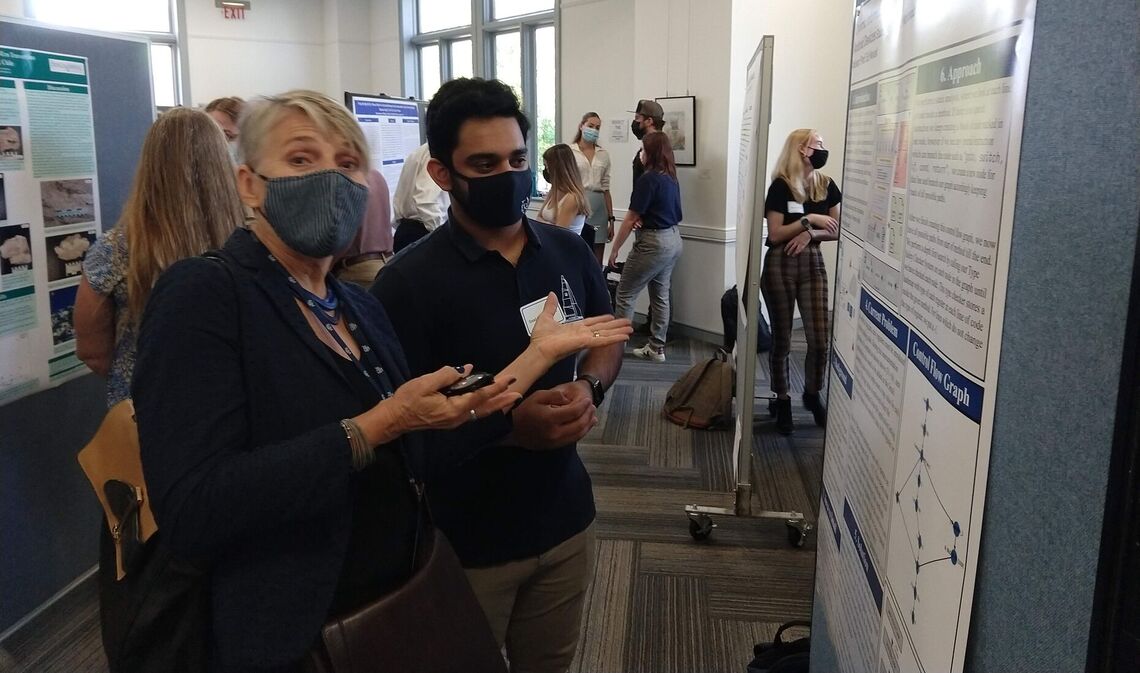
<point>65,254</point>
<point>3,200</point>
<point>15,249</point>
<point>67,202</point>
<point>11,142</point>
<point>62,314</point>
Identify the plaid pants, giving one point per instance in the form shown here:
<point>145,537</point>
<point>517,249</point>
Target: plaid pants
<point>785,281</point>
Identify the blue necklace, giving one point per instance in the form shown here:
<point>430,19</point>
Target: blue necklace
<point>327,312</point>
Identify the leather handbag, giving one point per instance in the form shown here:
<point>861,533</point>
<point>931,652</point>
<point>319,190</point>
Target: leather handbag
<point>153,611</point>
<point>430,624</point>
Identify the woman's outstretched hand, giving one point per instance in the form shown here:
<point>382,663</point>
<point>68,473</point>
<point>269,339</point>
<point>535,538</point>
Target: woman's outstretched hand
<point>419,404</point>
<point>555,341</point>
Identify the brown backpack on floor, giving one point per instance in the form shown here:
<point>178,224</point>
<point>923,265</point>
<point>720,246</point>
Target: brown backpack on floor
<point>702,398</point>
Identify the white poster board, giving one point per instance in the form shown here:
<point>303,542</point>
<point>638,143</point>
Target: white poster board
<point>750,188</point>
<point>393,130</point>
<point>49,214</point>
<point>932,150</point>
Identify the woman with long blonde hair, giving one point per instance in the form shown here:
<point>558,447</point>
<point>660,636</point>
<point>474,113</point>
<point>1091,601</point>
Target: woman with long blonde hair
<point>565,204</point>
<point>183,202</point>
<point>802,209</point>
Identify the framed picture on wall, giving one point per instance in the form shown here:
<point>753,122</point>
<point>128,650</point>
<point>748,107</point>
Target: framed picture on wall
<point>681,127</point>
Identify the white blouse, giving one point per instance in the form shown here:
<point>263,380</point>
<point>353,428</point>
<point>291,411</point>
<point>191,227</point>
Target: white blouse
<point>595,174</point>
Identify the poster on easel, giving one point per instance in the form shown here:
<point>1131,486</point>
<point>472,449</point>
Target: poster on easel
<point>935,112</point>
<point>49,214</point>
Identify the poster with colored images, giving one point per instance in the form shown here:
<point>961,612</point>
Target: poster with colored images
<point>49,214</point>
<point>933,141</point>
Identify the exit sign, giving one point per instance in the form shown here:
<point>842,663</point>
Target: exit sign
<point>233,12</point>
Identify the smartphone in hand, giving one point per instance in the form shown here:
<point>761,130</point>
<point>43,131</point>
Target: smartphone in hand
<point>469,384</point>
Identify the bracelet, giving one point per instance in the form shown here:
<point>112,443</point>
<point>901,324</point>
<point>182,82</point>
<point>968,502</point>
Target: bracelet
<point>362,455</point>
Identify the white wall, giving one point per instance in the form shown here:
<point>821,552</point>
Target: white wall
<point>810,67</point>
<point>280,45</point>
<point>386,47</point>
<point>13,8</point>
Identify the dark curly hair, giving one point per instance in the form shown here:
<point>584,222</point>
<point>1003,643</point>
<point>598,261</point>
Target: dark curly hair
<point>468,98</point>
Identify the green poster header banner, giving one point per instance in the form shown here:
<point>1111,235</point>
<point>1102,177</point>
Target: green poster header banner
<point>31,64</point>
<point>57,88</point>
<point>979,65</point>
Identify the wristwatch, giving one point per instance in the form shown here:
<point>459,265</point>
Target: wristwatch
<point>612,218</point>
<point>806,223</point>
<point>596,389</point>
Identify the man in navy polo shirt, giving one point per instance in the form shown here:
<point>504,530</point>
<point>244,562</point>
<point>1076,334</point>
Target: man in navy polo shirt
<point>520,511</point>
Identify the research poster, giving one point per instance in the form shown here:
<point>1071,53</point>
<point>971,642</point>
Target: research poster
<point>49,214</point>
<point>392,128</point>
<point>933,143</point>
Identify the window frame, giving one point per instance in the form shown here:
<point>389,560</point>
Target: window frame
<point>173,39</point>
<point>482,33</point>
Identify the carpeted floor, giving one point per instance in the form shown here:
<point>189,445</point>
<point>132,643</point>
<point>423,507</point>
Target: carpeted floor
<point>660,602</point>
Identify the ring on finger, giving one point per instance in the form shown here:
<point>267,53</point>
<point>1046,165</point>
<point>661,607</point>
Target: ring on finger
<point>474,416</point>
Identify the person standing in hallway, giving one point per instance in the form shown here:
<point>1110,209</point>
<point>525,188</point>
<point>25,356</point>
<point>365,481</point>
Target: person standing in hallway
<point>420,205</point>
<point>519,511</point>
<point>648,118</point>
<point>227,113</point>
<point>183,202</point>
<point>565,204</point>
<point>802,209</point>
<point>654,211</point>
<point>594,167</point>
<point>372,247</point>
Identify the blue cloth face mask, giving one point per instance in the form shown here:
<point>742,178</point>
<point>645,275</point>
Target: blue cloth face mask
<point>590,135</point>
<point>316,214</point>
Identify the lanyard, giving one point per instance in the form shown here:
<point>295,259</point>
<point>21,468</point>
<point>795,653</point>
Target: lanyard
<point>327,311</point>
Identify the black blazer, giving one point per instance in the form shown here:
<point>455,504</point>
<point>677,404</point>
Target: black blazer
<point>247,466</point>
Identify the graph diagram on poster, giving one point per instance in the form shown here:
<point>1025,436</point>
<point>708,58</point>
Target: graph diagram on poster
<point>930,512</point>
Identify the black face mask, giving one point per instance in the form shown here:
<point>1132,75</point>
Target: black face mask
<point>818,159</point>
<point>638,131</point>
<point>546,176</point>
<point>494,201</point>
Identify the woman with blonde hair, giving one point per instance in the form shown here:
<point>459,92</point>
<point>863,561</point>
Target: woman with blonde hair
<point>565,204</point>
<point>802,209</point>
<point>594,166</point>
<point>283,438</point>
<point>184,201</point>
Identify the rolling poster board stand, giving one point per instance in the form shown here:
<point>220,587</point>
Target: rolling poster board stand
<point>752,181</point>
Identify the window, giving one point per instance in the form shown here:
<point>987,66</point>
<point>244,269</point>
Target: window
<point>429,70</point>
<point>505,9</point>
<point>150,19</point>
<point>510,40</point>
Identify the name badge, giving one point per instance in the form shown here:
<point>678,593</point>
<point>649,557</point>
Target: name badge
<point>795,208</point>
<point>531,311</point>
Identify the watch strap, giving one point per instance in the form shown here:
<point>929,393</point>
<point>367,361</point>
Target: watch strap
<point>596,389</point>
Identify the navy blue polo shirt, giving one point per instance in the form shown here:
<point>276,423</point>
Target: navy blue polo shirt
<point>454,302</point>
<point>657,198</point>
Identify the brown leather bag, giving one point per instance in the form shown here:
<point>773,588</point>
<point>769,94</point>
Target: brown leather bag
<point>112,464</point>
<point>702,397</point>
<point>431,624</point>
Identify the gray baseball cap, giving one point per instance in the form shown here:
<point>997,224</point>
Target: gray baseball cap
<point>649,108</point>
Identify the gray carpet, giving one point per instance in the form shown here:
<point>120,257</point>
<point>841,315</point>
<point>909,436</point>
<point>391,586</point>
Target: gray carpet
<point>660,602</point>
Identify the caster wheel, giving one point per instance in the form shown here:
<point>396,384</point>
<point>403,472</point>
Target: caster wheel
<point>797,534</point>
<point>701,527</point>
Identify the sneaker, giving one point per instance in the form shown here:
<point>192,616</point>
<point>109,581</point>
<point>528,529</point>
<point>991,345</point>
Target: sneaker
<point>648,352</point>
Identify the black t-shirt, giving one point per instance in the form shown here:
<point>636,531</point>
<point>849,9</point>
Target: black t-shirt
<point>657,198</point>
<point>781,200</point>
<point>453,302</point>
<point>638,167</point>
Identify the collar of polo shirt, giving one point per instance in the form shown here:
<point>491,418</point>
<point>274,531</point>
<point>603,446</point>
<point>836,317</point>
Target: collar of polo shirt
<point>471,248</point>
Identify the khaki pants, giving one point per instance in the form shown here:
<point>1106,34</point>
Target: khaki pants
<point>534,605</point>
<point>361,273</point>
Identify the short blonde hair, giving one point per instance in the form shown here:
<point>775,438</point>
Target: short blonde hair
<point>330,117</point>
